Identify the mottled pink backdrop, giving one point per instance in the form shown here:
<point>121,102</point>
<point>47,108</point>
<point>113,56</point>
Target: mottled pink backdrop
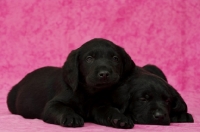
<point>36,33</point>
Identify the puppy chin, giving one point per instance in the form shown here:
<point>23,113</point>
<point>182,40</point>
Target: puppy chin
<point>101,83</point>
<point>149,121</point>
<point>92,88</point>
<point>163,123</point>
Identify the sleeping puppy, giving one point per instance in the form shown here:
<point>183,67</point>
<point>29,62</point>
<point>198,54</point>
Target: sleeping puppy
<point>147,98</point>
<point>66,95</point>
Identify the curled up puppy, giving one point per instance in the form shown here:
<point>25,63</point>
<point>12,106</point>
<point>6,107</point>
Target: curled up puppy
<point>147,98</point>
<point>67,95</point>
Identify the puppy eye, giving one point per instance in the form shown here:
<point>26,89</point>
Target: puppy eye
<point>89,59</point>
<point>168,100</point>
<point>143,99</point>
<point>115,58</point>
<point>147,96</point>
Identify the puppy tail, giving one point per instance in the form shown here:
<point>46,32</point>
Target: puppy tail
<point>11,99</point>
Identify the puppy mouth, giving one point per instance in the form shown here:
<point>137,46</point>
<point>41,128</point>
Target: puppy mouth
<point>103,84</point>
<point>100,84</point>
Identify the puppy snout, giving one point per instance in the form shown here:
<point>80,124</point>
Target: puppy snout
<point>103,74</point>
<point>159,115</point>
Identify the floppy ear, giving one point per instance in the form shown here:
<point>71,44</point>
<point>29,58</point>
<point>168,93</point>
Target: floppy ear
<point>128,64</point>
<point>179,109</point>
<point>178,105</point>
<point>70,70</point>
<point>155,70</point>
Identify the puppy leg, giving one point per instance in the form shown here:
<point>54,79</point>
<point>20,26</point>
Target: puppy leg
<point>111,116</point>
<point>58,113</point>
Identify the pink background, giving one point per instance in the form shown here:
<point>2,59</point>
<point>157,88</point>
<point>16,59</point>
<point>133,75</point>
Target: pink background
<point>37,33</point>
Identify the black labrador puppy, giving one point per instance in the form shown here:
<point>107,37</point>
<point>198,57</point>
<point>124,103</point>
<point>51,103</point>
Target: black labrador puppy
<point>67,96</point>
<point>147,98</point>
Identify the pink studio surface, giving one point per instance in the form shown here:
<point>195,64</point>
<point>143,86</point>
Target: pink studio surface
<point>37,33</point>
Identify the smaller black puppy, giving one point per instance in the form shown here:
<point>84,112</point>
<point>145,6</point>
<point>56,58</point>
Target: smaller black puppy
<point>147,98</point>
<point>67,96</point>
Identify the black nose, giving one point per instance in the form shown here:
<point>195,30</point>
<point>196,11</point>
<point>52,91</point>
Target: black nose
<point>159,115</point>
<point>103,74</point>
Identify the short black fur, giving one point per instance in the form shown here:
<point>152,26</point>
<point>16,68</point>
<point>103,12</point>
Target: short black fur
<point>148,98</point>
<point>68,96</point>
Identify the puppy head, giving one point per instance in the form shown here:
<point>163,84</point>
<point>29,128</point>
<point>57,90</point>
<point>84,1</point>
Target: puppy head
<point>151,100</point>
<point>97,64</point>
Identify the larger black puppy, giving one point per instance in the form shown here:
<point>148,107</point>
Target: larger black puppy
<point>148,99</point>
<point>67,95</point>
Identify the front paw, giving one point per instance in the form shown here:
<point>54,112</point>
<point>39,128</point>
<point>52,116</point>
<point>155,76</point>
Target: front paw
<point>183,117</point>
<point>114,118</point>
<point>71,120</point>
<point>119,120</point>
